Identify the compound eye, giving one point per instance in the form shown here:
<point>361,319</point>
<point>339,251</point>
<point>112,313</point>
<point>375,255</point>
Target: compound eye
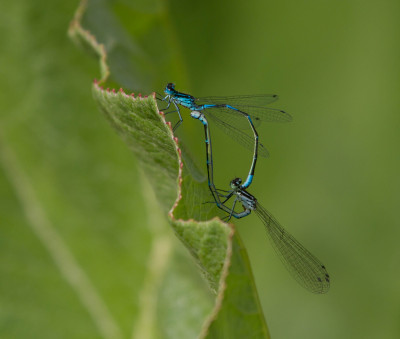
<point>170,86</point>
<point>236,182</point>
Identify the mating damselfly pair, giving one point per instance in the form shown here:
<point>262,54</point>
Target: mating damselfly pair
<point>233,114</point>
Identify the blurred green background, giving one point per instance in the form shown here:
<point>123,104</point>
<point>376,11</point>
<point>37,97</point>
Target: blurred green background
<point>332,179</point>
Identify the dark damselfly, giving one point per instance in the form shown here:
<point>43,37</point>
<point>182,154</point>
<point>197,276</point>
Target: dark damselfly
<point>301,264</point>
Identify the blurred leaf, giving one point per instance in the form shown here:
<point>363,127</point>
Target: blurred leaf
<point>133,34</point>
<point>73,258</point>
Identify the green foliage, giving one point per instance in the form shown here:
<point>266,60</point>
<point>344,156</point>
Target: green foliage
<point>85,247</point>
<point>217,249</point>
<point>100,259</point>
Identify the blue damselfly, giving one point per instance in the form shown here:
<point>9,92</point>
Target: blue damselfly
<point>232,114</point>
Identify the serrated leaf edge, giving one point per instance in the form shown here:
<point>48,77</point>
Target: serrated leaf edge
<point>76,31</point>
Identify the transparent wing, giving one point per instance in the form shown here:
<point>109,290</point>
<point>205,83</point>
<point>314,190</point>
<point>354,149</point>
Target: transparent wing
<point>253,105</point>
<point>232,117</point>
<point>242,138</point>
<point>301,264</point>
<point>258,113</point>
<point>257,100</point>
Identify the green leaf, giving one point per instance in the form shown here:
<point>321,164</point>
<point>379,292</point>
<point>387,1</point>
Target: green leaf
<point>214,245</point>
<point>73,251</point>
<point>84,245</point>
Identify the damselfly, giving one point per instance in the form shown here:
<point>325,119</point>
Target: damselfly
<point>300,263</point>
<point>232,114</point>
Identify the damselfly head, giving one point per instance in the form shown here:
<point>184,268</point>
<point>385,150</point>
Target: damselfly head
<point>235,183</point>
<point>170,88</point>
